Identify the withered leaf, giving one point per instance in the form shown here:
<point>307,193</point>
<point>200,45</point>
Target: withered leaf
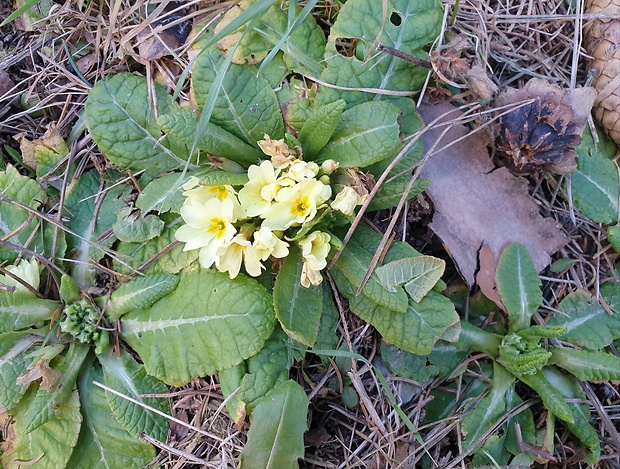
<point>475,204</point>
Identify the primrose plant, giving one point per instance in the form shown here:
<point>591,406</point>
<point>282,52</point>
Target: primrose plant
<point>572,340</point>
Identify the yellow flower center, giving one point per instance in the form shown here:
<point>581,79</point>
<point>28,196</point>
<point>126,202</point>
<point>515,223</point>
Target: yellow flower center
<point>300,207</point>
<point>218,227</point>
<point>221,192</point>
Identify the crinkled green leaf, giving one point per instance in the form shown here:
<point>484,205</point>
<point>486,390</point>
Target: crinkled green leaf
<point>246,105</point>
<point>134,228</point>
<point>406,26</point>
<point>399,177</point>
<point>569,388</point>
<point>298,103</point>
<point>441,361</point>
<point>36,234</point>
<point>297,308</point>
<point>162,194</point>
<point>89,213</point>
<point>160,254</point>
<point>208,323</point>
<point>21,309</point>
<point>69,290</point>
<point>418,274</point>
<point>214,140</point>
<point>518,285</point>
<point>122,122</point>
<point>303,43</point>
<point>550,395</point>
<point>125,375</point>
<point>349,271</point>
<point>319,128</point>
<point>42,407</point>
<point>490,409</point>
<point>365,134</point>
<point>587,323</point>
<point>278,423</point>
<point>141,292</point>
<point>327,339</point>
<point>52,442</point>
<point>14,347</point>
<point>416,328</point>
<point>587,365</point>
<point>256,376</point>
<point>103,442</point>
<point>595,185</point>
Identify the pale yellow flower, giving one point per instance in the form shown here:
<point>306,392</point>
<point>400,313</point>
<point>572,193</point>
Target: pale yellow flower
<point>27,270</point>
<point>329,166</point>
<point>208,227</point>
<point>300,170</point>
<point>196,190</point>
<point>281,155</point>
<point>266,244</point>
<point>314,250</point>
<point>296,205</point>
<point>346,200</point>
<point>258,193</point>
<point>240,249</point>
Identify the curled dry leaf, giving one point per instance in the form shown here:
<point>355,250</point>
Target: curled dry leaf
<point>603,44</point>
<point>450,66</point>
<point>544,127</point>
<point>477,205</point>
<point>165,35</point>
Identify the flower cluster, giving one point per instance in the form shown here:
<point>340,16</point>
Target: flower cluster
<point>248,226</point>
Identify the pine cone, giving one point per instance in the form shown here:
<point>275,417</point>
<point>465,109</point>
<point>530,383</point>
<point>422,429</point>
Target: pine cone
<point>603,44</point>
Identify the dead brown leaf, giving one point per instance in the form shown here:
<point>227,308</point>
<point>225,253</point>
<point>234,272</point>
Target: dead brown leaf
<point>476,204</point>
<point>485,278</point>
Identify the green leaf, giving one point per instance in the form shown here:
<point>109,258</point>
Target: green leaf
<point>319,128</point>
<point>134,228</point>
<point>21,309</point>
<point>162,194</point>
<point>24,228</point>
<point>208,323</point>
<point>399,177</point>
<point>418,274</point>
<point>69,290</point>
<point>349,271</point>
<point>587,365</point>
<point>246,105</point>
<point>404,25</point>
<point>595,185</point>
<point>613,236</point>
<point>442,360</point>
<point>255,377</point>
<point>278,423</point>
<point>42,407</point>
<point>297,308</point>
<point>52,442</point>
<point>551,397</point>
<point>125,375</point>
<point>518,285</point>
<point>327,339</point>
<point>123,124</point>
<point>587,323</point>
<point>13,362</point>
<point>365,134</point>
<point>214,141</point>
<point>569,388</point>
<point>490,409</point>
<point>103,442</point>
<point>161,255</point>
<point>141,292</point>
<point>90,212</point>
